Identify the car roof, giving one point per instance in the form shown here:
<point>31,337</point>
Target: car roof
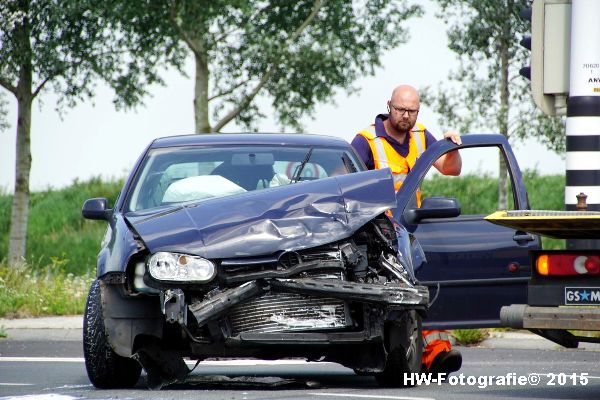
<point>250,139</point>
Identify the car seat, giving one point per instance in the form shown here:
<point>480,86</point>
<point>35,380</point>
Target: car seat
<point>250,177</point>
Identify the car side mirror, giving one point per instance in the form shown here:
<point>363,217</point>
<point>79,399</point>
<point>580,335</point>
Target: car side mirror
<point>96,208</point>
<point>433,207</point>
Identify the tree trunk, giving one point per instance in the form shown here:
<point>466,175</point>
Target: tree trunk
<point>20,205</point>
<point>23,92</point>
<point>201,93</point>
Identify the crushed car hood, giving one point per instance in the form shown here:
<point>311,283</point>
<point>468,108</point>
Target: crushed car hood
<point>291,217</point>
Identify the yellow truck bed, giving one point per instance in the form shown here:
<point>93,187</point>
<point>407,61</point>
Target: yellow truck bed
<point>556,224</point>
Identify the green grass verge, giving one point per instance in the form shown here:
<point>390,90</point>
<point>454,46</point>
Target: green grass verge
<point>31,292</point>
<point>57,233</point>
<point>468,337</point>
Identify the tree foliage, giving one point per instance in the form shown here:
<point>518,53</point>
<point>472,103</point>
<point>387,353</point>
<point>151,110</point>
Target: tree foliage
<point>480,33</point>
<point>69,45</point>
<point>293,54</point>
<point>486,92</point>
<point>73,44</point>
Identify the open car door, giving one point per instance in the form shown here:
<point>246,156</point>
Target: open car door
<point>473,267</point>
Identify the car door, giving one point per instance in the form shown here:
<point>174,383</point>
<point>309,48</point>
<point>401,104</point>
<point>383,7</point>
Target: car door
<point>473,267</point>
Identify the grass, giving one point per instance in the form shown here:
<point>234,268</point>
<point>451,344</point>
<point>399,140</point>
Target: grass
<point>594,334</point>
<point>57,233</point>
<point>468,337</point>
<point>31,292</point>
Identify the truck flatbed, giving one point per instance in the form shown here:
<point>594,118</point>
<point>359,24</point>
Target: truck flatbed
<point>556,224</point>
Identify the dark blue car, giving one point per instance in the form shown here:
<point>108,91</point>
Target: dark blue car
<point>273,246</point>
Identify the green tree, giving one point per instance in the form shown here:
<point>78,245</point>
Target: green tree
<point>486,92</point>
<point>293,53</point>
<point>67,45</point>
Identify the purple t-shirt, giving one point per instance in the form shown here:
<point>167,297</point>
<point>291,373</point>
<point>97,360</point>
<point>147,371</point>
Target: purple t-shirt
<point>361,145</point>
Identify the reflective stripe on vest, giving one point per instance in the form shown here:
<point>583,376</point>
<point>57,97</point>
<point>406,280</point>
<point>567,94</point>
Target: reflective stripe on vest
<point>419,143</point>
<point>435,335</point>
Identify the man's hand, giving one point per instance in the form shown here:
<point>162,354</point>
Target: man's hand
<point>453,136</point>
<point>451,162</point>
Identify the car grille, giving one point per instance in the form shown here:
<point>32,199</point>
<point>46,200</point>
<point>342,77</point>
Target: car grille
<point>283,312</point>
<point>239,266</point>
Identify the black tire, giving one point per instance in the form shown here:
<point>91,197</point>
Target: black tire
<point>405,346</point>
<point>105,368</point>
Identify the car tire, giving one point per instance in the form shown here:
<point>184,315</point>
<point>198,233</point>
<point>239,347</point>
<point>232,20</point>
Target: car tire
<point>105,368</point>
<point>405,346</point>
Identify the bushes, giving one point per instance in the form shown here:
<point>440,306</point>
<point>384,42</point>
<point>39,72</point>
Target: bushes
<point>29,292</point>
<point>60,237</point>
<point>467,337</point>
<point>57,234</point>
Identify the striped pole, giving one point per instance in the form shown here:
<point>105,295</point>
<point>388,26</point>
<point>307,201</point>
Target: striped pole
<point>583,112</point>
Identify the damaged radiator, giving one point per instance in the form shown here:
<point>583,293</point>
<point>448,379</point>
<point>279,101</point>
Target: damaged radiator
<point>283,312</point>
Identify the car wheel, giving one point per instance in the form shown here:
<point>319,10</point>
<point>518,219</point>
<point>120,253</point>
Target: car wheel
<point>405,346</point>
<point>105,368</point>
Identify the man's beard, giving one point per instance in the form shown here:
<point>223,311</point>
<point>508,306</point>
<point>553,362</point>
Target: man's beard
<point>403,127</point>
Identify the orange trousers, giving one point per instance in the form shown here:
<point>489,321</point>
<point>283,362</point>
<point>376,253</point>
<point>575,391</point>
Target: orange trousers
<point>434,342</point>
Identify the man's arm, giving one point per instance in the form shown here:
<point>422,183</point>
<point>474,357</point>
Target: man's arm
<point>451,162</point>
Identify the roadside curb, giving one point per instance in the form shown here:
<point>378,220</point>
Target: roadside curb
<point>63,328</point>
<point>61,322</point>
<point>527,340</point>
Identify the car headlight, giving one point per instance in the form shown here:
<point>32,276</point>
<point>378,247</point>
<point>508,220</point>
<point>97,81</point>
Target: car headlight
<point>180,267</point>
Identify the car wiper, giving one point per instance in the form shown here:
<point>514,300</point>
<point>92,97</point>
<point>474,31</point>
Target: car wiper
<point>301,166</point>
<point>348,164</point>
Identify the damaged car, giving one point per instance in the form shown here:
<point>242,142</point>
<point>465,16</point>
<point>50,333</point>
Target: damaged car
<point>252,245</point>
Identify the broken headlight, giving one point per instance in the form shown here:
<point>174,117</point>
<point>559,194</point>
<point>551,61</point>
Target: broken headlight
<point>180,267</point>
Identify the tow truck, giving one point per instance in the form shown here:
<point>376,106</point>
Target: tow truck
<point>563,293</point>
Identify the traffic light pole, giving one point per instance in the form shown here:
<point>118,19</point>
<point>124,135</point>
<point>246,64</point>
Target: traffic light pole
<point>583,111</point>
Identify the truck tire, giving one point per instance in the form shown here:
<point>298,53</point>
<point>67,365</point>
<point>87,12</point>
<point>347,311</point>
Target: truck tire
<point>105,368</point>
<point>405,349</point>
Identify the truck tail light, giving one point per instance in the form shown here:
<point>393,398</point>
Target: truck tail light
<point>567,264</point>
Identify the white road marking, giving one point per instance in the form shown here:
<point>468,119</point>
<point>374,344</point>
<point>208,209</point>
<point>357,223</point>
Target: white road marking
<point>51,396</point>
<point>548,374</point>
<point>42,359</point>
<point>15,384</point>
<point>367,396</point>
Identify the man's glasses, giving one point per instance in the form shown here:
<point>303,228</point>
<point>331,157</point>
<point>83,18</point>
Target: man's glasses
<point>402,110</point>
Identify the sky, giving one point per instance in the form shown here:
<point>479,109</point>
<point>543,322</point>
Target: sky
<point>93,139</point>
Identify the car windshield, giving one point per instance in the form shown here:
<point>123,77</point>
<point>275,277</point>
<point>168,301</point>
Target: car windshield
<point>176,175</point>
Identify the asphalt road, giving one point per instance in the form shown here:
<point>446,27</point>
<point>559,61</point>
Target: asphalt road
<point>35,368</point>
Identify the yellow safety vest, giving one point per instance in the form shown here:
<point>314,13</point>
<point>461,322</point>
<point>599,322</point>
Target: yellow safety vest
<point>385,156</point>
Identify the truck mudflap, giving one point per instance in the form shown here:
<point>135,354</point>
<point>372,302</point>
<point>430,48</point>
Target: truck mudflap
<point>556,224</point>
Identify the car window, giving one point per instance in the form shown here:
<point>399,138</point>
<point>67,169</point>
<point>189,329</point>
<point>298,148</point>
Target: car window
<point>476,188</point>
<point>181,174</point>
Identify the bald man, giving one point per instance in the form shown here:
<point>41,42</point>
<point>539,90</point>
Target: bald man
<point>395,141</point>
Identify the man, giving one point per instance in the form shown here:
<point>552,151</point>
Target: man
<point>395,141</point>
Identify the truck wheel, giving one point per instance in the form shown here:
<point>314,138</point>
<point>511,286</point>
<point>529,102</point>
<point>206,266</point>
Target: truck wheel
<point>405,346</point>
<point>105,368</point>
